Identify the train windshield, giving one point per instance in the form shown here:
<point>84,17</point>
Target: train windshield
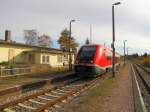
<point>87,53</point>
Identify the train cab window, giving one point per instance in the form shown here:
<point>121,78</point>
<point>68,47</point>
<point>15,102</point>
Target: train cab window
<point>87,53</point>
<point>108,55</point>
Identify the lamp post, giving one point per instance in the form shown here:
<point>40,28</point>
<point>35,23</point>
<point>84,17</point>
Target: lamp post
<point>125,51</point>
<point>113,39</point>
<point>127,54</point>
<point>70,59</point>
<point>105,44</point>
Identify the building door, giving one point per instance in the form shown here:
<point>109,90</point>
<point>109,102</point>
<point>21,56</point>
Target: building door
<point>31,58</point>
<point>11,55</point>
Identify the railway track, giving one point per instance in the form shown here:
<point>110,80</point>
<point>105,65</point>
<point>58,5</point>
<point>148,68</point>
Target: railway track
<point>48,100</point>
<point>143,77</point>
<point>14,92</point>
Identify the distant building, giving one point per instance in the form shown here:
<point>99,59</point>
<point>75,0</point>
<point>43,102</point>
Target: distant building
<point>26,54</point>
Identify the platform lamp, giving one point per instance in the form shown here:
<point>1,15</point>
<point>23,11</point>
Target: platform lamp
<point>125,51</point>
<point>70,59</point>
<point>113,39</point>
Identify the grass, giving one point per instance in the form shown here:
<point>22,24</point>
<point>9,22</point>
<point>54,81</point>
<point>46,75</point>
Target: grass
<point>103,89</point>
<point>12,80</point>
<point>145,61</point>
<point>23,78</point>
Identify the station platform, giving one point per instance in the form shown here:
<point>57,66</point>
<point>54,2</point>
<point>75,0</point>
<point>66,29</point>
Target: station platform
<point>21,80</point>
<point>121,98</point>
<point>111,95</point>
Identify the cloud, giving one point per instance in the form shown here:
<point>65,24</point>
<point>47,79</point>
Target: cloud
<point>52,16</point>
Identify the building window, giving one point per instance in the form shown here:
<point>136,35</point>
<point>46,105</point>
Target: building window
<point>43,59</point>
<point>31,58</point>
<point>65,57</point>
<point>59,58</point>
<point>47,59</point>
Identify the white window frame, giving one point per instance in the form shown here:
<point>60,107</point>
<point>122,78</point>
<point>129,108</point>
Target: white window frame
<point>43,59</point>
<point>47,59</point>
<point>59,58</point>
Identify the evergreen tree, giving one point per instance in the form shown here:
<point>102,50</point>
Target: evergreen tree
<point>64,41</point>
<point>87,41</point>
<point>145,55</point>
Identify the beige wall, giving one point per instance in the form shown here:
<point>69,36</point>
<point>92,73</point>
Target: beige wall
<point>52,59</point>
<point>3,54</point>
<point>37,58</point>
<point>13,54</point>
<point>16,54</point>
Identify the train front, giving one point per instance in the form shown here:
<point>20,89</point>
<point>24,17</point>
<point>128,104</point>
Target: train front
<point>84,65</point>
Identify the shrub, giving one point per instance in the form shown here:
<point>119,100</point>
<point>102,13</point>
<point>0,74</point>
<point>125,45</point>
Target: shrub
<point>4,63</point>
<point>146,63</point>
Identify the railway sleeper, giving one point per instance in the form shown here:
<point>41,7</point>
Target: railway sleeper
<point>26,107</point>
<point>62,90</point>
<point>57,92</point>
<point>43,98</point>
<point>51,95</point>
<point>9,110</point>
<point>34,101</point>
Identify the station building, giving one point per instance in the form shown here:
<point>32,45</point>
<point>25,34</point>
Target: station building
<point>18,53</point>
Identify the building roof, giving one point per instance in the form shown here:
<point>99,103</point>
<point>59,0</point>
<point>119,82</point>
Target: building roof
<point>24,45</point>
<point>44,51</point>
<point>37,48</point>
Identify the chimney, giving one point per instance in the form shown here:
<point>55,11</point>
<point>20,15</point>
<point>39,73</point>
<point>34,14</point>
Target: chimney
<point>8,36</point>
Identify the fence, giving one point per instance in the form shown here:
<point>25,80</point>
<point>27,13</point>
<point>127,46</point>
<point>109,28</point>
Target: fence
<point>14,71</point>
<point>38,69</point>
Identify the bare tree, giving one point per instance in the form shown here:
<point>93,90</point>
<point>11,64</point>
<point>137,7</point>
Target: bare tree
<point>44,41</point>
<point>31,37</point>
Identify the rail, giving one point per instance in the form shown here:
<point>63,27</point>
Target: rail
<point>139,105</point>
<point>14,71</point>
<point>145,69</point>
<point>48,99</point>
<point>39,93</point>
<point>145,82</point>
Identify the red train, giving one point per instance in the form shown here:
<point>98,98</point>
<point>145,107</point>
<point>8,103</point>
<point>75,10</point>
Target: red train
<point>94,59</point>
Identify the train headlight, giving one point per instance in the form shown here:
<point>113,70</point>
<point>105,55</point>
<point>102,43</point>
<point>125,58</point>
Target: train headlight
<point>91,61</point>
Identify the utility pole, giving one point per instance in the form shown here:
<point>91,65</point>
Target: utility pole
<point>105,44</point>
<point>113,39</point>
<point>70,57</point>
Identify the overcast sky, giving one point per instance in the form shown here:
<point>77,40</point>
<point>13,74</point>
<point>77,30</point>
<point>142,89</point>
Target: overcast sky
<point>50,17</point>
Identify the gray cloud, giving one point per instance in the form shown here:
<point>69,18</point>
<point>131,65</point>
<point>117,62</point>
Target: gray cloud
<point>51,16</point>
